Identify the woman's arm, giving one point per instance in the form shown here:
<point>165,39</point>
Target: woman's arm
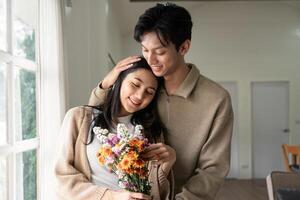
<point>162,158</point>
<point>72,182</point>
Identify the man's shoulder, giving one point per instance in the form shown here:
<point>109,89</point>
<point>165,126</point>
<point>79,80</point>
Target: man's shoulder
<point>207,86</point>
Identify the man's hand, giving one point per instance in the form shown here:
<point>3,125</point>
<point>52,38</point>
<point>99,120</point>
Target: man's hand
<point>113,75</point>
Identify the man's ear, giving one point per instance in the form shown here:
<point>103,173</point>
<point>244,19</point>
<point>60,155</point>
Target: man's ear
<point>184,47</point>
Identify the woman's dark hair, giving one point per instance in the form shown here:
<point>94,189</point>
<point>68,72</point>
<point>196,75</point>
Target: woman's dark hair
<point>170,22</point>
<point>147,117</point>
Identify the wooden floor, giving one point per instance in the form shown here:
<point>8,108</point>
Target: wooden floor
<point>235,189</point>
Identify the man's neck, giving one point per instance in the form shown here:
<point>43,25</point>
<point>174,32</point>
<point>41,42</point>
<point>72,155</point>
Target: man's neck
<point>174,80</point>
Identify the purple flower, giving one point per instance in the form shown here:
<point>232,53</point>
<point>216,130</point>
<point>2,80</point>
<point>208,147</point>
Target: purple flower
<point>115,139</point>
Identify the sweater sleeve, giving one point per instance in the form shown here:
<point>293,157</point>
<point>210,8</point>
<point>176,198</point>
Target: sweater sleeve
<point>73,183</point>
<point>162,186</point>
<point>98,95</point>
<point>214,158</point>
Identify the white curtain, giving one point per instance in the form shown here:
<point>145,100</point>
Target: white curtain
<point>52,91</point>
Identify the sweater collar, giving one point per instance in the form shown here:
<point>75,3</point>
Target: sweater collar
<point>187,86</point>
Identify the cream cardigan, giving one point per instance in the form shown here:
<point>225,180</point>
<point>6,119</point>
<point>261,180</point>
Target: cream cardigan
<point>72,169</point>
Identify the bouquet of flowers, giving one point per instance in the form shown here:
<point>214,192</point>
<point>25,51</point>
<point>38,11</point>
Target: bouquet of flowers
<point>120,154</point>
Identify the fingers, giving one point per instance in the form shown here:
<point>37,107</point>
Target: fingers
<point>135,195</point>
<point>129,59</point>
<point>159,152</point>
<point>154,149</point>
<point>113,75</point>
<point>126,63</point>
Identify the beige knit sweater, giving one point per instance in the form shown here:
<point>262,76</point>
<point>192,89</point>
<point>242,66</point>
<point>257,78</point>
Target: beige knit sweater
<point>72,168</point>
<point>199,119</point>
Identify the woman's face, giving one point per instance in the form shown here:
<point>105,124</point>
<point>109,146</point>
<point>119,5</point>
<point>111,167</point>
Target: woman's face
<point>137,91</point>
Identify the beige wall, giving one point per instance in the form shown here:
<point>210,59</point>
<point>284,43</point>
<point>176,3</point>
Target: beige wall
<point>245,42</point>
<point>90,32</point>
<point>233,41</point>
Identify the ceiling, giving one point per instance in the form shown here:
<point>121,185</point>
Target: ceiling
<point>129,11</point>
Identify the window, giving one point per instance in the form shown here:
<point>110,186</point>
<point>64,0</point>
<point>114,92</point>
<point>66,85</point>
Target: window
<point>19,139</point>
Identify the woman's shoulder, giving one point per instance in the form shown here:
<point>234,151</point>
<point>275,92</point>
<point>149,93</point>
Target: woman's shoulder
<point>79,112</point>
<point>76,111</point>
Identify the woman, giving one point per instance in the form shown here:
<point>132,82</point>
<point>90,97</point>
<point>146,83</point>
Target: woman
<point>131,100</point>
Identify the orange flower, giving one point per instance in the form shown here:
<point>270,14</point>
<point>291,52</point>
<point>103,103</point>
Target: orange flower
<point>134,142</point>
<point>106,151</point>
<point>131,155</point>
<point>140,146</point>
<point>137,144</point>
<point>139,163</point>
<point>125,163</point>
<point>129,171</point>
<point>101,159</point>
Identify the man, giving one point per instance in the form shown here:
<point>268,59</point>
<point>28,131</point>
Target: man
<point>196,111</point>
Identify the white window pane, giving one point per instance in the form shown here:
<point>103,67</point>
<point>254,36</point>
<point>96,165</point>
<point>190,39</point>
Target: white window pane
<point>26,175</point>
<point>3,25</point>
<point>25,104</point>
<point>3,178</point>
<point>24,26</point>
<point>2,104</point>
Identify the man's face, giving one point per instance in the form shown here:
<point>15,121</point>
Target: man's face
<point>163,60</point>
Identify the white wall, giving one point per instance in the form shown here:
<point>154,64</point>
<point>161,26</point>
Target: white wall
<point>114,37</point>
<point>90,32</point>
<point>244,42</point>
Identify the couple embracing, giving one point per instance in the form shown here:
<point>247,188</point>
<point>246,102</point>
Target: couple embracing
<point>186,117</point>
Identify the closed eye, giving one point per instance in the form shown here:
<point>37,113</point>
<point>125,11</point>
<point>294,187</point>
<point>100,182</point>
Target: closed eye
<point>151,92</point>
<point>134,85</point>
<point>160,53</point>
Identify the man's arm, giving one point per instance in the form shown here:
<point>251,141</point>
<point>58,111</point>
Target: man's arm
<point>214,158</point>
<point>98,95</point>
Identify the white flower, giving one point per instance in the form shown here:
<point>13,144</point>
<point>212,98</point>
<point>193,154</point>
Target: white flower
<point>104,132</point>
<point>121,184</point>
<point>97,130</point>
<point>106,145</point>
<point>138,129</point>
<point>122,130</point>
<point>120,173</point>
<point>102,138</point>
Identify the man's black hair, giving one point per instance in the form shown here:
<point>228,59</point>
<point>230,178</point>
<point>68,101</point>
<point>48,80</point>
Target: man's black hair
<point>170,22</point>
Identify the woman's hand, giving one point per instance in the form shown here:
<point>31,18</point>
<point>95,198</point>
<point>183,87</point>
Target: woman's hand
<point>161,154</point>
<point>112,76</point>
<point>126,195</point>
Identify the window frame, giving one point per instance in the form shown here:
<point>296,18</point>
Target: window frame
<point>12,147</point>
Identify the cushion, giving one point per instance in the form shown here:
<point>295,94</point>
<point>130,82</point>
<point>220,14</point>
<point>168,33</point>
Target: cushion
<point>288,193</point>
